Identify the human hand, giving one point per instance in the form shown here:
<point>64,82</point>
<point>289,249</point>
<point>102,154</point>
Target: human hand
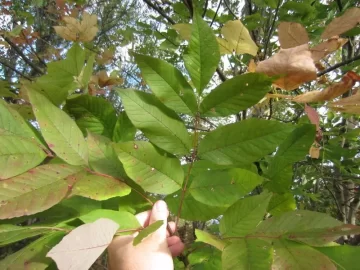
<point>155,252</point>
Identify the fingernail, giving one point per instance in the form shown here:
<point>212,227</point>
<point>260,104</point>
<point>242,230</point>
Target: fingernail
<point>161,206</point>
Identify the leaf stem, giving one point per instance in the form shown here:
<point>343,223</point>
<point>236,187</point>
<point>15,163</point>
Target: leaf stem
<point>193,158</point>
<point>49,228</point>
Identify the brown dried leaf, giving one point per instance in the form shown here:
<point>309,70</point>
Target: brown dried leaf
<point>83,245</point>
<point>75,30</point>
<point>292,34</point>
<point>106,57</point>
<point>341,24</point>
<point>323,49</point>
<point>348,105</point>
<point>105,80</point>
<point>314,151</point>
<point>330,92</point>
<point>295,65</point>
<point>252,66</point>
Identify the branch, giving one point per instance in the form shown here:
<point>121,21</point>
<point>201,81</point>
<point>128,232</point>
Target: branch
<point>217,10</point>
<point>22,55</point>
<point>339,5</point>
<point>221,74</point>
<point>205,8</point>
<point>228,7</point>
<point>272,27</point>
<point>160,11</point>
<point>357,57</point>
<point>15,70</point>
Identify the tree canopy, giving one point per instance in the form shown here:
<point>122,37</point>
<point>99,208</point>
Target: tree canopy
<point>242,115</point>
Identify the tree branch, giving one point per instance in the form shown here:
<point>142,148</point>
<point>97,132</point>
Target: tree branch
<point>160,11</point>
<point>22,55</point>
<point>217,10</point>
<point>205,8</point>
<point>272,28</point>
<point>221,74</point>
<point>15,70</point>
<point>230,10</point>
<point>357,57</point>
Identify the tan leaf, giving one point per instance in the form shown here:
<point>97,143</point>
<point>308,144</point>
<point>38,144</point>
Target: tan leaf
<point>314,151</point>
<point>106,57</point>
<point>252,66</point>
<point>348,105</point>
<point>105,80</point>
<point>75,30</point>
<point>292,34</point>
<point>83,245</point>
<point>295,65</point>
<point>341,24</point>
<point>328,93</point>
<point>236,39</point>
<point>323,49</point>
<point>184,30</point>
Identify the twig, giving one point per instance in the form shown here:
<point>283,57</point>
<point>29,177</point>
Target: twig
<point>22,55</point>
<point>205,8</point>
<point>217,10</point>
<point>357,57</point>
<point>270,108</point>
<point>221,74</point>
<point>15,70</point>
<point>272,28</point>
<point>228,7</point>
<point>339,5</point>
<point>160,11</point>
<point>49,228</point>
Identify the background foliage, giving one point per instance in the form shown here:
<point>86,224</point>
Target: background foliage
<point>248,129</point>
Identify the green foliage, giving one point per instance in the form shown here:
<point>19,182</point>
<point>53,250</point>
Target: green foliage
<point>147,231</point>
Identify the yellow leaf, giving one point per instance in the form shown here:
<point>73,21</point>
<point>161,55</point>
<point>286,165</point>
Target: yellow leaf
<point>236,39</point>
<point>252,66</point>
<point>184,30</point>
<point>295,65</point>
<point>292,34</point>
<point>75,30</point>
<point>341,24</point>
<point>323,49</point>
<point>314,152</point>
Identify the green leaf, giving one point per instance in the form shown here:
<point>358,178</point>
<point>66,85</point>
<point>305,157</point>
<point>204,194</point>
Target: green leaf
<point>149,168</point>
<point>161,125</point>
<point>243,216</point>
<point>33,256</point>
<point>298,257</point>
<point>102,157</point>
<point>281,203</point>
<point>24,110</point>
<point>17,155</point>
<point>204,258</point>
<point>345,257</point>
<point>60,78</point>
<point>92,113</point>
<point>243,142</point>
<point>11,233</point>
<point>223,187</point>
<point>247,254</point>
<point>168,84</point>
<point>99,187</point>
<point>124,130</point>
<point>210,239</point>
<point>147,231</point>
<point>125,220</point>
<point>59,130</point>
<point>191,208</point>
<point>294,148</point>
<point>295,222</point>
<point>34,191</point>
<point>203,55</point>
<point>87,71</point>
<point>11,123</point>
<point>236,94</point>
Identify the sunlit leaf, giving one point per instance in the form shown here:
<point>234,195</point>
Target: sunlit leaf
<point>161,125</point>
<point>147,231</point>
<point>236,39</point>
<point>59,130</point>
<point>79,251</point>
<point>167,83</point>
<point>244,216</point>
<point>348,105</point>
<point>203,55</point>
<point>149,168</point>
<point>281,203</point>
<point>210,239</point>
<point>34,191</point>
<point>243,142</point>
<point>124,130</point>
<point>345,257</point>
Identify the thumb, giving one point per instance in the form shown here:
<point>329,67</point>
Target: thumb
<point>160,212</point>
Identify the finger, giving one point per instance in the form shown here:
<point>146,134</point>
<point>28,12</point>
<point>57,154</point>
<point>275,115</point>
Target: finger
<point>172,227</point>
<point>177,249</point>
<point>160,212</point>
<point>173,240</point>
<point>144,218</point>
